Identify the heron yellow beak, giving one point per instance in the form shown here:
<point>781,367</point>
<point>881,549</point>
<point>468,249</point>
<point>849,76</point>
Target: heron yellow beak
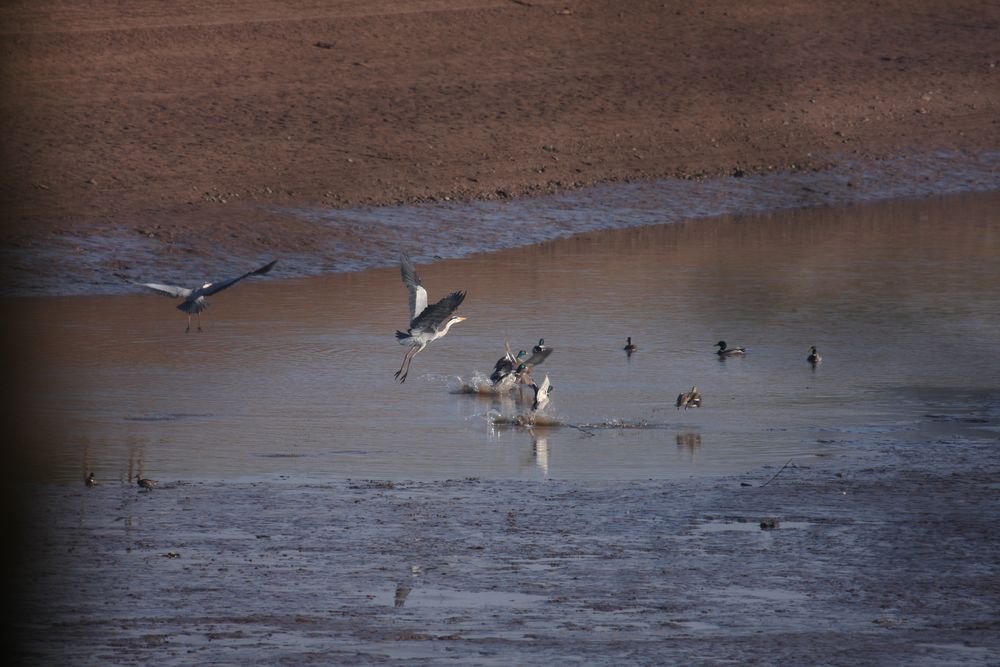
<point>462,319</point>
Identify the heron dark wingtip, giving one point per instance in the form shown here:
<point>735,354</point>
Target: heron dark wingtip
<point>266,268</point>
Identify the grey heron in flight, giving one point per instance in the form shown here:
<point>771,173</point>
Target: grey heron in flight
<point>725,351</point>
<point>194,297</point>
<point>427,323</point>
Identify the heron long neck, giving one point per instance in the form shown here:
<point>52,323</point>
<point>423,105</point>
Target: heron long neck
<point>447,325</point>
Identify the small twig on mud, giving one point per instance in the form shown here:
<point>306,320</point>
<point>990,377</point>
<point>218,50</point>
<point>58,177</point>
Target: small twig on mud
<point>775,475</point>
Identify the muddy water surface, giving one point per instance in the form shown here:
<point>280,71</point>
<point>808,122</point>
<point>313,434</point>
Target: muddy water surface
<point>295,377</point>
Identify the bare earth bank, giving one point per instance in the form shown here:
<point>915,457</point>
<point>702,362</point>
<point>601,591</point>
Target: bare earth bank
<point>194,123</point>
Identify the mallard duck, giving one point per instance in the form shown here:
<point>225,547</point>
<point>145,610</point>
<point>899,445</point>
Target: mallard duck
<point>541,394</point>
<point>541,346</point>
<point>814,357</point>
<point>630,347</point>
<point>725,351</point>
<point>522,375</point>
<point>506,364</point>
<point>689,399</point>
<point>90,480</point>
<point>145,483</point>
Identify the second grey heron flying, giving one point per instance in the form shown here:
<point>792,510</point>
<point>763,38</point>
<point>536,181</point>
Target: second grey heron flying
<point>427,323</point>
<point>194,297</point>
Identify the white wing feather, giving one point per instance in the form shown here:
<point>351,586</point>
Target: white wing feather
<point>418,295</point>
<point>169,290</point>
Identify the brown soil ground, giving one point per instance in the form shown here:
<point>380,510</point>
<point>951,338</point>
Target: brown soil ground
<point>198,120</point>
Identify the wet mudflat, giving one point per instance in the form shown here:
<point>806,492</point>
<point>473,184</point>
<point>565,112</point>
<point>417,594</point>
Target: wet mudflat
<point>884,558</point>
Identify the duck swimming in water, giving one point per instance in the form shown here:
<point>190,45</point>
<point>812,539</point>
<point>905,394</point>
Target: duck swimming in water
<point>725,351</point>
<point>145,483</point>
<point>630,347</point>
<point>91,480</point>
<point>814,357</point>
<point>689,399</point>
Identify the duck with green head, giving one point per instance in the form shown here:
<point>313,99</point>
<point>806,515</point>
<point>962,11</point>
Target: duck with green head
<point>726,351</point>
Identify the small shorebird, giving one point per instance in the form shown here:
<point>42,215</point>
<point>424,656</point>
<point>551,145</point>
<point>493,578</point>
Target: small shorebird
<point>630,347</point>
<point>90,480</point>
<point>145,483</point>
<point>427,323</point>
<point>194,297</point>
<point>541,394</point>
<point>814,357</point>
<point>725,351</point>
<point>689,399</point>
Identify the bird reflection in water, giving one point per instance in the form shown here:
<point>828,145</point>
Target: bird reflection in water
<point>688,442</point>
<point>401,593</point>
<point>540,449</point>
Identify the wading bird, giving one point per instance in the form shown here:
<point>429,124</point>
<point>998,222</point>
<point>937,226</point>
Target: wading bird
<point>427,323</point>
<point>194,297</point>
<point>689,399</point>
<point>541,394</point>
<point>814,357</point>
<point>729,351</point>
<point>629,346</point>
<point>145,483</point>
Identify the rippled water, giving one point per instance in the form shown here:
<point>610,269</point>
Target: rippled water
<point>295,377</point>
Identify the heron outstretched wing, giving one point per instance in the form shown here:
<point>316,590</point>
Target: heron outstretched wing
<point>418,295</point>
<point>212,288</point>
<point>432,316</point>
<point>169,290</point>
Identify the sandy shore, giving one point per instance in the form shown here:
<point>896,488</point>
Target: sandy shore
<point>195,123</point>
<point>885,559</point>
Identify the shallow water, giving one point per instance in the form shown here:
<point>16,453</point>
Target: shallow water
<point>295,377</point>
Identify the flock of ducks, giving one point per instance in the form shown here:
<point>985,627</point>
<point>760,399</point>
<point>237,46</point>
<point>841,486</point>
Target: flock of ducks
<point>428,322</point>
<point>142,482</point>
